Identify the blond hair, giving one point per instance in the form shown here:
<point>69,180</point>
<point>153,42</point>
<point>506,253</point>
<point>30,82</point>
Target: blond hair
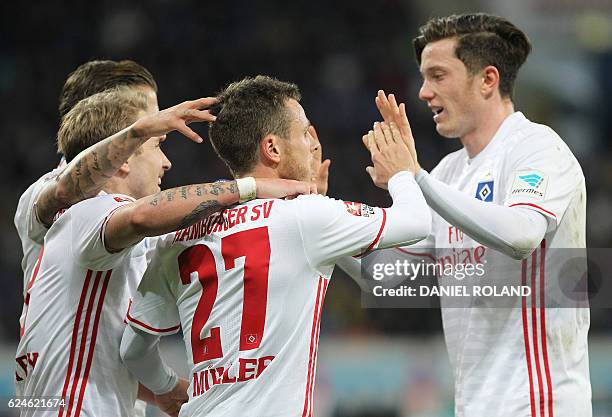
<point>97,117</point>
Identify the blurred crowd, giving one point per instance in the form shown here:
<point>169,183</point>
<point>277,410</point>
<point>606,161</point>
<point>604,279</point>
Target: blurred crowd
<point>339,53</point>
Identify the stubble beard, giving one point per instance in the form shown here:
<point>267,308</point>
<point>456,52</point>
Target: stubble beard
<point>292,169</point>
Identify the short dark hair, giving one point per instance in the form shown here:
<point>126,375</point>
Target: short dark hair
<point>97,117</point>
<point>96,76</point>
<point>482,40</point>
<point>247,111</point>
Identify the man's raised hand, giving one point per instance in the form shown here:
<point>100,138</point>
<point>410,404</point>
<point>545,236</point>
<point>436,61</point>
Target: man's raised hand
<point>391,112</point>
<point>176,118</point>
<point>320,168</point>
<point>390,154</point>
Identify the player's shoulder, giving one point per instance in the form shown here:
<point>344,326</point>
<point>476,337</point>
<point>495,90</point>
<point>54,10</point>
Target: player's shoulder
<point>308,202</point>
<point>96,207</point>
<point>312,209</point>
<point>529,137</point>
<point>34,188</point>
<point>30,195</point>
<point>104,200</point>
<point>539,143</point>
<point>316,210</point>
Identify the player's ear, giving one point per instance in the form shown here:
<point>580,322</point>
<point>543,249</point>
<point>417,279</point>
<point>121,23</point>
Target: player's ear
<point>270,150</point>
<point>490,81</point>
<point>124,170</point>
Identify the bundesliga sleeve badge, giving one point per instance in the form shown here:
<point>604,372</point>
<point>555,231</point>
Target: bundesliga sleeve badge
<point>530,184</point>
<point>353,208</point>
<point>358,209</point>
<point>484,191</point>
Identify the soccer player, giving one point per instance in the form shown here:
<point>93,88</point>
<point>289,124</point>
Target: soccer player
<point>84,177</point>
<point>95,254</point>
<point>247,287</point>
<point>511,199</point>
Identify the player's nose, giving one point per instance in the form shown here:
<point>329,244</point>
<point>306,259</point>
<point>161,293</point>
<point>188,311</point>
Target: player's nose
<point>425,92</point>
<point>166,164</point>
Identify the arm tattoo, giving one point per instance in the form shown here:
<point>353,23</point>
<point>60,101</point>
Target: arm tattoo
<point>203,210</point>
<point>233,187</point>
<point>95,165</point>
<point>93,169</point>
<point>88,173</point>
<point>170,194</point>
<point>216,189</point>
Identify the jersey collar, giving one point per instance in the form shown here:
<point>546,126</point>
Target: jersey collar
<point>505,129</point>
<point>127,197</point>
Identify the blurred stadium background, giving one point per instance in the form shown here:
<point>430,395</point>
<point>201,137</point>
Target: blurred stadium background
<point>371,362</point>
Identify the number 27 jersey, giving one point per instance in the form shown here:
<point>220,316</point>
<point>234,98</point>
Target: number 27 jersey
<point>247,288</point>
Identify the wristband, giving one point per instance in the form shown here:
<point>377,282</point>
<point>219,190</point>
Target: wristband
<point>247,188</point>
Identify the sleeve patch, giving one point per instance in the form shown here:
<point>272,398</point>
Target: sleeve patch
<point>358,209</point>
<point>530,183</point>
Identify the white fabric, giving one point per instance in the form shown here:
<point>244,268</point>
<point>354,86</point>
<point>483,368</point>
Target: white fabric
<point>81,295</point>
<point>487,347</point>
<point>140,352</point>
<point>30,230</point>
<point>261,329</point>
<point>520,232</point>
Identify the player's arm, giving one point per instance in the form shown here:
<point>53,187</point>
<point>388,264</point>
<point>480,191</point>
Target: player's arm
<point>394,163</point>
<point>140,354</point>
<point>513,231</point>
<point>89,171</point>
<point>181,207</point>
<point>333,229</point>
<point>360,270</point>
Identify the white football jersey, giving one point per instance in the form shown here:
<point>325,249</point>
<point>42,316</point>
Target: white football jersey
<point>529,361</point>
<point>247,287</point>
<point>31,233</point>
<point>75,320</point>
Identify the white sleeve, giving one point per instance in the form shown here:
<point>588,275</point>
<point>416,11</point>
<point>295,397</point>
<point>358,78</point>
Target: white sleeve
<point>87,221</point>
<point>515,232</point>
<point>423,251</point>
<point>543,177</point>
<point>140,353</point>
<point>332,229</point>
<point>26,220</point>
<point>153,308</point>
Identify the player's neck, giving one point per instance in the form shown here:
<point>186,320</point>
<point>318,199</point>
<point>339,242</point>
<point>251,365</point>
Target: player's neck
<point>475,141</point>
<point>117,186</point>
<point>261,171</point>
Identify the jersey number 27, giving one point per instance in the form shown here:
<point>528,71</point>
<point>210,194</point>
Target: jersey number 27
<point>254,245</point>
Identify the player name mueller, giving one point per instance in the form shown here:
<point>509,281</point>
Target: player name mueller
<point>224,220</point>
<point>247,370</point>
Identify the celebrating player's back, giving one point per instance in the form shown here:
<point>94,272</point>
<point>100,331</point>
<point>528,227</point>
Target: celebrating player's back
<point>247,286</point>
<point>95,254</point>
